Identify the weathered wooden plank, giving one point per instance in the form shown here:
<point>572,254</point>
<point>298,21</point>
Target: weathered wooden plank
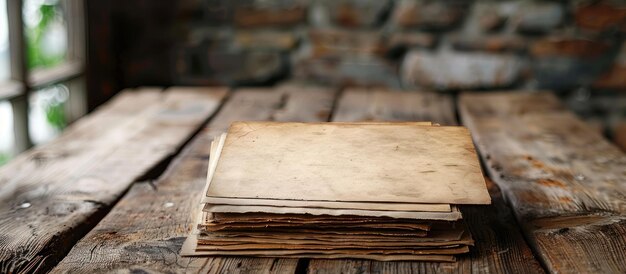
<point>356,105</point>
<point>500,247</point>
<point>145,230</point>
<point>53,194</point>
<point>565,182</point>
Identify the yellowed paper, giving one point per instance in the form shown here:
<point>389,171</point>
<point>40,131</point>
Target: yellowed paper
<point>349,163</point>
<point>330,205</point>
<point>454,215</point>
<point>216,147</point>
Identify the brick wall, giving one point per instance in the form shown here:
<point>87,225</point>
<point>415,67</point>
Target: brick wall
<point>571,47</point>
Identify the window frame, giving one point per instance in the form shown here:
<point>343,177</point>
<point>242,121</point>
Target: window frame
<point>23,83</point>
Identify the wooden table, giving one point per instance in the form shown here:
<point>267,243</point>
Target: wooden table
<point>114,193</point>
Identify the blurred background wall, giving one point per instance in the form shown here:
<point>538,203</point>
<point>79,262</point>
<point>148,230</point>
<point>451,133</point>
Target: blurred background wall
<point>573,48</point>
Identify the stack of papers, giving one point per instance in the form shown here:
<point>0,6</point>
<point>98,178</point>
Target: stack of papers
<point>381,191</point>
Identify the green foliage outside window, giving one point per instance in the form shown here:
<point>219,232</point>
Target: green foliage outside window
<point>55,115</point>
<point>37,56</point>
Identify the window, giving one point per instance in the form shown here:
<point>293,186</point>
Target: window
<point>41,71</point>
<point>5,61</point>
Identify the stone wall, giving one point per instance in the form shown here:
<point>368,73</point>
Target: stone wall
<point>440,45</point>
<point>570,47</point>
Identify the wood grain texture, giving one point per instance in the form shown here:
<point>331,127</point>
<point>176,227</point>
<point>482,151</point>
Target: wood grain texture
<point>565,182</point>
<point>500,247</point>
<point>53,194</point>
<point>145,230</point>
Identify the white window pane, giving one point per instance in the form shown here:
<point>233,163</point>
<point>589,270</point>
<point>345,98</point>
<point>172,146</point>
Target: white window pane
<point>46,33</point>
<point>6,132</point>
<point>47,116</point>
<point>5,61</point>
